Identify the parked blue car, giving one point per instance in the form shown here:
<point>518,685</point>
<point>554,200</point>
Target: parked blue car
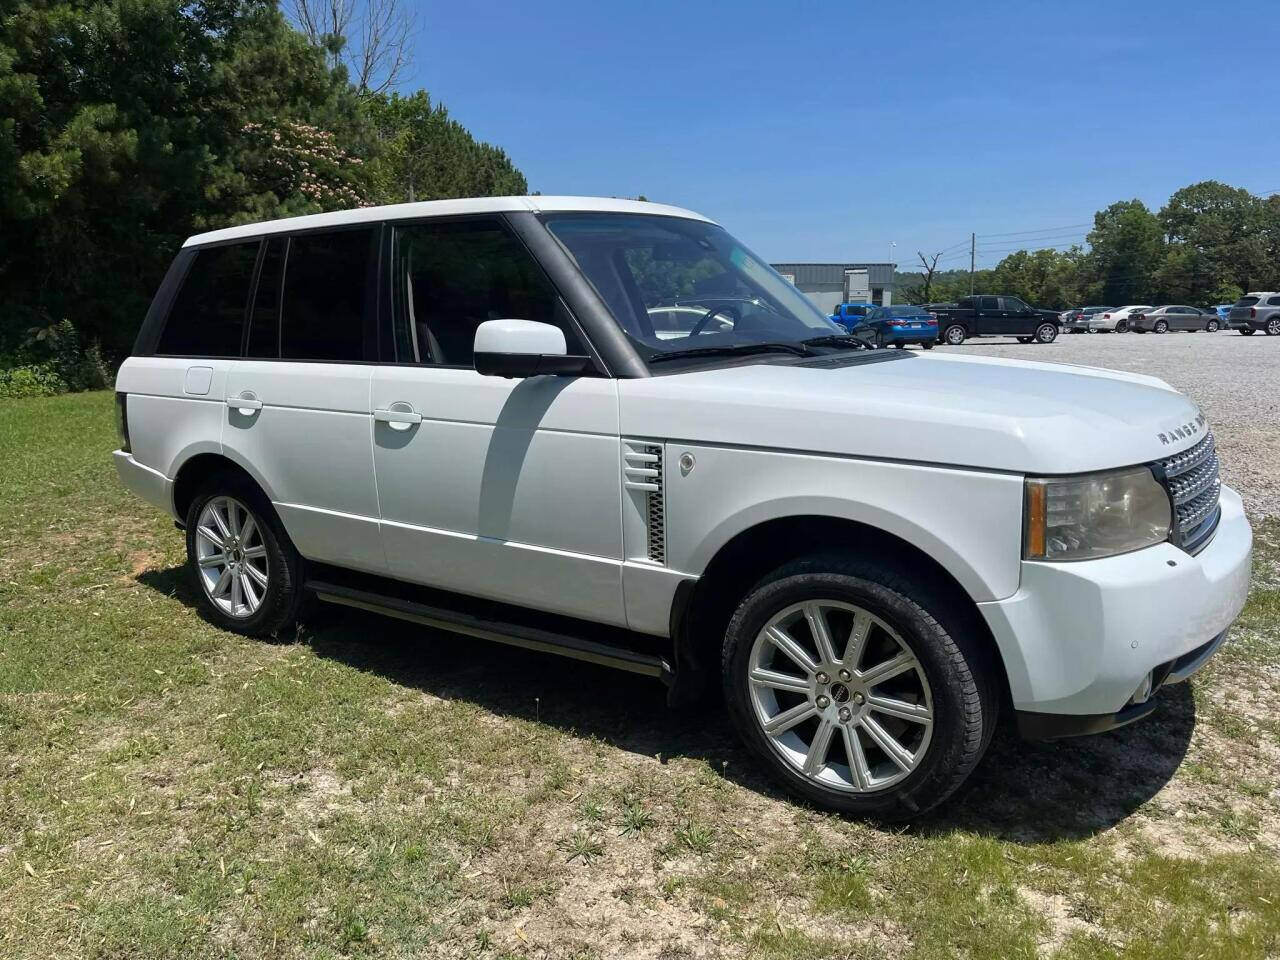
<point>899,326</point>
<point>849,315</point>
<point>1223,310</point>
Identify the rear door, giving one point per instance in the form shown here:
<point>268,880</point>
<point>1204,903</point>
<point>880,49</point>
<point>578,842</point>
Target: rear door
<point>507,489</point>
<point>297,411</point>
<point>989,315</point>
<point>176,393</point>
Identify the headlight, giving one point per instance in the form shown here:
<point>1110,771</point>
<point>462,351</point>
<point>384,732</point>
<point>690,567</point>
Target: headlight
<point>1095,515</point>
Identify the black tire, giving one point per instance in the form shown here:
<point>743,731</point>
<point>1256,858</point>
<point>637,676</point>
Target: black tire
<point>284,592</point>
<point>1046,333</point>
<point>926,345</point>
<point>880,339</point>
<point>900,345</point>
<point>1273,326</point>
<point>958,670</point>
<point>955,334</point>
<point>1161,326</point>
<point>1122,326</point>
<point>1212,326</point>
<point>1246,331</point>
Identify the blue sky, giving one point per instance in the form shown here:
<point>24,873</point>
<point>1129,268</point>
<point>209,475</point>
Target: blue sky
<point>824,131</point>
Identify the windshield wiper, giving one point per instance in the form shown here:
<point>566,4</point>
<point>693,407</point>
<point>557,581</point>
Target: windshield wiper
<point>765,346</point>
<point>839,340</point>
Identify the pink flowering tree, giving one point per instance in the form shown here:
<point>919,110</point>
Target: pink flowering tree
<point>303,167</point>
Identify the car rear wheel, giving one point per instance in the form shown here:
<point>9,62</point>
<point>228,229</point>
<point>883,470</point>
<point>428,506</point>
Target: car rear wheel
<point>1212,326</point>
<point>926,345</point>
<point>1273,327</point>
<point>1046,333</point>
<point>843,681</point>
<point>1122,326</point>
<point>954,334</point>
<point>1162,326</point>
<point>248,574</point>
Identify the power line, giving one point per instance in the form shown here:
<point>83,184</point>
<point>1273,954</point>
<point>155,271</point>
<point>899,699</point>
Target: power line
<point>1022,233</point>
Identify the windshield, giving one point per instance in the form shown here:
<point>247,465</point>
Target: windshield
<point>674,284</point>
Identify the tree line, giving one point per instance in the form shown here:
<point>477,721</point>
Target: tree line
<point>127,125</point>
<point>1209,244</point>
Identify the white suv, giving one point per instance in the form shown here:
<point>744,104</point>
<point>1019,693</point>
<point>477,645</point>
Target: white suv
<point>462,413</point>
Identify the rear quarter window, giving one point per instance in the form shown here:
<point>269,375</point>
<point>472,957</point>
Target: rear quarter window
<point>208,313</point>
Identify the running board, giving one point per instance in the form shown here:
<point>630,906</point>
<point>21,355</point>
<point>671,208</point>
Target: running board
<point>518,635</point>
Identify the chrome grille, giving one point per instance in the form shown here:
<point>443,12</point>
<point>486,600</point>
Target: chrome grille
<point>1191,477</point>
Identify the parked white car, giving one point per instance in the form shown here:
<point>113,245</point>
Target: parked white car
<point>1115,321</point>
<point>461,413</point>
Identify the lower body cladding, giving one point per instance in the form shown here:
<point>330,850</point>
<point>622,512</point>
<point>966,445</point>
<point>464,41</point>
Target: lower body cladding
<point>1086,644</point>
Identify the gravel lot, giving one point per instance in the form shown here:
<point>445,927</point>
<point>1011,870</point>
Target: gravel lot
<point>1234,379</point>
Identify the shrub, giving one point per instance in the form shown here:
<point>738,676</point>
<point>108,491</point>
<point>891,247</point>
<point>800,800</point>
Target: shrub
<point>33,380</point>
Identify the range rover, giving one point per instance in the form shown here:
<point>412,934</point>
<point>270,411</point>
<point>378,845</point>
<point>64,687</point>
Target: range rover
<point>466,414</point>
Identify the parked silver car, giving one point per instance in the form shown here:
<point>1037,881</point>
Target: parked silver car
<point>1256,311</point>
<point>1174,317</point>
<point>1077,320</point>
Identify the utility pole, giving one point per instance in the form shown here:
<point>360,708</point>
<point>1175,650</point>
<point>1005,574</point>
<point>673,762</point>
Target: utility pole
<point>973,249</point>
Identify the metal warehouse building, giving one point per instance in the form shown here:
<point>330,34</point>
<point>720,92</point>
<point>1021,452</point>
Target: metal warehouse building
<point>828,284</point>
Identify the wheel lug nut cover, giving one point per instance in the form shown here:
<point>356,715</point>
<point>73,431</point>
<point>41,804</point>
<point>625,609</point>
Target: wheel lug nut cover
<point>824,701</point>
<point>823,678</point>
<point>845,675</point>
<point>845,714</point>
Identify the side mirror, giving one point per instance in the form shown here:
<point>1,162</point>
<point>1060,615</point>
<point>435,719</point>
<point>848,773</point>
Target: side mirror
<point>523,348</point>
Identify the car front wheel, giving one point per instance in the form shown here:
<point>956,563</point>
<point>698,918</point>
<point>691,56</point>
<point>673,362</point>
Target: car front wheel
<point>843,681</point>
<point>1047,333</point>
<point>248,574</point>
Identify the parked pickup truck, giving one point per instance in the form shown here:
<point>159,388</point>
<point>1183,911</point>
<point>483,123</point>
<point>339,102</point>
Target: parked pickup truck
<point>984,316</point>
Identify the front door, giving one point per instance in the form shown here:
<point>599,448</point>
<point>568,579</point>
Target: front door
<point>507,489</point>
<point>989,317</point>
<point>1019,319</point>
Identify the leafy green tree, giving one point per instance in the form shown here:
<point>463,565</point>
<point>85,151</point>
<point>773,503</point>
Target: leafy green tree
<point>1127,249</point>
<point>1217,235</point>
<point>126,126</point>
<point>1045,278</point>
<point>424,154</point>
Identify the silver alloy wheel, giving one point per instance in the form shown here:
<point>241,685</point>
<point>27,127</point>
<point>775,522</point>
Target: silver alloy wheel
<point>840,696</point>
<point>955,335</point>
<point>1273,327</point>
<point>1046,333</point>
<point>232,557</point>
<point>1212,326</point>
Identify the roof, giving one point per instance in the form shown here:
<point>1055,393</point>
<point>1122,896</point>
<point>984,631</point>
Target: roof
<point>443,208</point>
<point>806,274</point>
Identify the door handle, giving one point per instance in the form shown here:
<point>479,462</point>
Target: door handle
<point>399,415</point>
<point>246,404</point>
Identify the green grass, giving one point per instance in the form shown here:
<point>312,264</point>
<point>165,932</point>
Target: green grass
<point>368,789</point>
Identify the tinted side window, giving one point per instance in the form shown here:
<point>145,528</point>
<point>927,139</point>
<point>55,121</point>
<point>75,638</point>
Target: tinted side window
<point>988,303</point>
<point>1274,302</point>
<point>326,286</point>
<point>1014,305</point>
<point>264,322</point>
<point>451,276</point>
<point>207,318</point>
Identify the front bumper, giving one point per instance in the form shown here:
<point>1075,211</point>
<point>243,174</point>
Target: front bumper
<point>1079,640</point>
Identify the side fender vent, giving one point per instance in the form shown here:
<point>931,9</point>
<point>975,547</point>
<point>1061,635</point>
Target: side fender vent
<point>642,475</point>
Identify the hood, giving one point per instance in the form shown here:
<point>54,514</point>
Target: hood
<point>983,412</point>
